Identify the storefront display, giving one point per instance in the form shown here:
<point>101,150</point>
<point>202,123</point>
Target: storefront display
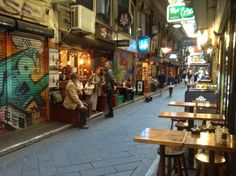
<point>76,61</point>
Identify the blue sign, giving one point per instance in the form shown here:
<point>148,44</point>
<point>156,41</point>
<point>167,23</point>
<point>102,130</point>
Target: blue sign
<point>133,45</point>
<point>143,44</point>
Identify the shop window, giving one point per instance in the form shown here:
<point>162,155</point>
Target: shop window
<point>103,12</point>
<point>75,61</point>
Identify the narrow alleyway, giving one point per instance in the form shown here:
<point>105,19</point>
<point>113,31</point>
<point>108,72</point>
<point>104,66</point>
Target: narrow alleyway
<point>105,149</point>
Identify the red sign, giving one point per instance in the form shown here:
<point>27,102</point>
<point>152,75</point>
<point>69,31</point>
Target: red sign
<point>167,50</point>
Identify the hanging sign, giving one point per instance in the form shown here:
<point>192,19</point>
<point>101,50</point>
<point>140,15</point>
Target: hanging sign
<point>123,43</point>
<point>179,13</point>
<point>125,19</point>
<point>103,32</point>
<point>143,44</point>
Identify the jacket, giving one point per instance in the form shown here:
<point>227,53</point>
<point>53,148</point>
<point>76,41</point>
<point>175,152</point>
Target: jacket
<point>72,100</point>
<point>109,80</point>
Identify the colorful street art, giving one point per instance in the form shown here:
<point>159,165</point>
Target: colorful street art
<point>18,89</point>
<point>125,66</point>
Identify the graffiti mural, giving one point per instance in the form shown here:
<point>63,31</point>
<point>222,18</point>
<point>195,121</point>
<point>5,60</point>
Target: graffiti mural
<point>125,66</point>
<point>18,89</point>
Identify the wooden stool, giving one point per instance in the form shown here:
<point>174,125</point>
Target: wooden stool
<point>181,126</point>
<point>205,128</point>
<point>175,120</point>
<point>177,154</point>
<point>203,164</point>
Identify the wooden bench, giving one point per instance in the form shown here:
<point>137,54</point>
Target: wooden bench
<point>60,113</point>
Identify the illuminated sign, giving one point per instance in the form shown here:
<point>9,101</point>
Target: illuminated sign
<point>173,56</point>
<point>179,13</point>
<point>143,44</point>
<point>133,45</point>
<point>167,50</point>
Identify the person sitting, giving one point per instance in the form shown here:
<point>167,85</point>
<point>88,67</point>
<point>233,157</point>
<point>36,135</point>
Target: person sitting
<point>129,90</point>
<point>73,102</point>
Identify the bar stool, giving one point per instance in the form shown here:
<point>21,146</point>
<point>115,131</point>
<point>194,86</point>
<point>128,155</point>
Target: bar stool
<point>175,120</point>
<point>203,164</point>
<point>181,126</point>
<point>205,128</point>
<point>177,154</point>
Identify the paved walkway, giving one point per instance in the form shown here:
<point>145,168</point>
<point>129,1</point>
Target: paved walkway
<point>105,149</point>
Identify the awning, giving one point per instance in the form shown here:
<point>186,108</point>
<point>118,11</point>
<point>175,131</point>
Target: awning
<point>85,42</point>
<point>34,29</point>
<point>7,23</point>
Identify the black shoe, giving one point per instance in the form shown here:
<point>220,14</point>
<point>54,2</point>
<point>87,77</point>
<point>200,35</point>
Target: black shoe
<point>84,126</point>
<point>108,115</point>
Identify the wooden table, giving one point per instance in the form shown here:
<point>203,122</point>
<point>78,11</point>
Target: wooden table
<point>161,137</point>
<point>193,104</point>
<point>191,116</point>
<point>208,141</point>
<point>205,141</point>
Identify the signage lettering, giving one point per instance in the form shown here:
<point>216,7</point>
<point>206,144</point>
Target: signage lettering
<point>122,43</point>
<point>179,13</point>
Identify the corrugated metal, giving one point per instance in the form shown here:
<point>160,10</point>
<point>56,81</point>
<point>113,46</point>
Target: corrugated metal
<point>27,81</point>
<point>2,45</point>
<point>2,68</point>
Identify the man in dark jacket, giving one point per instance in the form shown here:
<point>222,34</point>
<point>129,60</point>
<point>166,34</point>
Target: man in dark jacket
<point>109,86</point>
<point>161,79</point>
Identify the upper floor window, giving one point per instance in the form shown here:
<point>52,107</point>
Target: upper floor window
<point>86,3</point>
<point>103,12</point>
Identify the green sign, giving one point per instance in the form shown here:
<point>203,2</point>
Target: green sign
<point>177,13</point>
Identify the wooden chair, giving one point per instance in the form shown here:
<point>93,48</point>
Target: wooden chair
<point>175,120</point>
<point>202,159</point>
<point>177,155</point>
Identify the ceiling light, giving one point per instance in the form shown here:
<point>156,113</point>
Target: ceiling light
<point>177,26</point>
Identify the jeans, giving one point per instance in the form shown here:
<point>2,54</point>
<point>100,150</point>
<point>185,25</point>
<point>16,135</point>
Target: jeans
<point>109,93</point>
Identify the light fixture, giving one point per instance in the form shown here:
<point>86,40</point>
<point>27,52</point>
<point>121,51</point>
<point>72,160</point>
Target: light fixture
<point>177,25</point>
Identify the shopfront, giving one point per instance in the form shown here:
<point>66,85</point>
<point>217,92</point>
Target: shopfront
<point>24,75</point>
<point>83,54</point>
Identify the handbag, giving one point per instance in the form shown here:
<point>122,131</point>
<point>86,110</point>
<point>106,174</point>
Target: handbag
<point>89,89</point>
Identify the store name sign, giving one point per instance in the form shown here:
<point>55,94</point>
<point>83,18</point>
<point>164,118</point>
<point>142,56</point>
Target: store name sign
<point>177,13</point>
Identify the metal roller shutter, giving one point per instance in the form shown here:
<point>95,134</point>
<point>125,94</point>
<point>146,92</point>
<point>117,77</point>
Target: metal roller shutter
<point>27,81</point>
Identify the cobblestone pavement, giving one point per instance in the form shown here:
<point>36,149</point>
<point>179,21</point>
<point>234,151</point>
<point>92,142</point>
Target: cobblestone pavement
<point>105,149</point>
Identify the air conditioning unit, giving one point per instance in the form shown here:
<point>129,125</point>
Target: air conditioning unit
<point>82,19</point>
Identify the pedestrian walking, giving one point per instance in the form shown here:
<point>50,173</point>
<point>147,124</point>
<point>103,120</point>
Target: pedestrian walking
<point>170,83</point>
<point>161,79</point>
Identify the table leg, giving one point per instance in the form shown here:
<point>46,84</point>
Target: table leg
<point>162,161</point>
<point>191,152</point>
<point>211,163</point>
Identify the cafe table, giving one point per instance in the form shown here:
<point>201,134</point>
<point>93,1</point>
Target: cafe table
<point>163,138</point>
<point>193,104</point>
<point>208,141</point>
<point>191,116</point>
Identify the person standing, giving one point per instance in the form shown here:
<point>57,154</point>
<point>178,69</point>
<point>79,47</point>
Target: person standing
<point>97,81</point>
<point>72,101</point>
<point>109,87</point>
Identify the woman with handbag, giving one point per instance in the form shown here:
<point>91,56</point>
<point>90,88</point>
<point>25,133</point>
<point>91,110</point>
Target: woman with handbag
<point>94,87</point>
